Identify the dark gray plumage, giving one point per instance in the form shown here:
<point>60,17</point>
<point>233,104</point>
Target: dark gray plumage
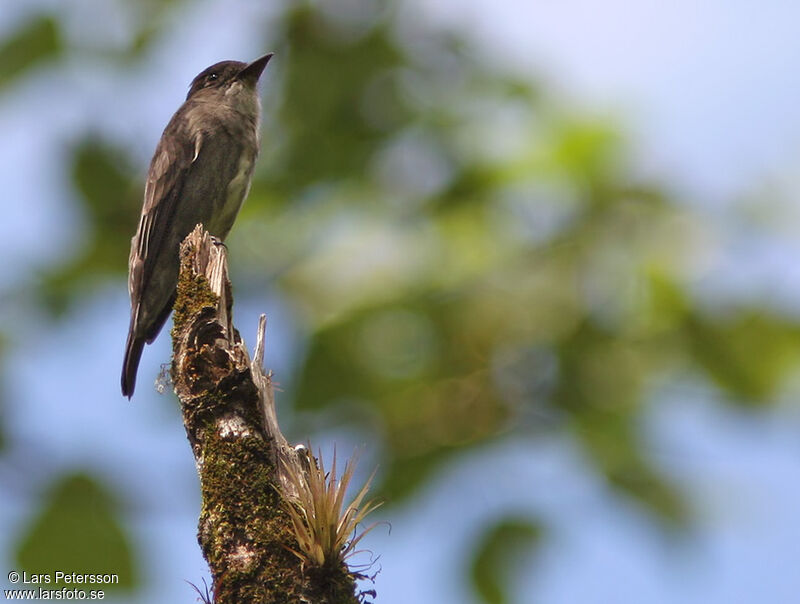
<point>200,173</point>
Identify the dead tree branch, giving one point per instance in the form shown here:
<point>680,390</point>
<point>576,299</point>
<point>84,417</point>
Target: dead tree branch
<point>247,469</point>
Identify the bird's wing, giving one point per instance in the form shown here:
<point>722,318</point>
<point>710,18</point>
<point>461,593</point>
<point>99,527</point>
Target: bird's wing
<point>168,170</point>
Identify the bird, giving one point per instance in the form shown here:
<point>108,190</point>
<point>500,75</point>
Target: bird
<point>200,173</point>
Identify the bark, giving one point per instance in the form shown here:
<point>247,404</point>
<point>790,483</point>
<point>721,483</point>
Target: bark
<point>241,455</point>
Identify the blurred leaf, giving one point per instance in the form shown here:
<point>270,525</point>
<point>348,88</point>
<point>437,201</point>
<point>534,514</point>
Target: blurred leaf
<point>29,46</point>
<point>598,371</point>
<point>499,553</point>
<point>474,184</point>
<point>747,355</point>
<point>103,176</point>
<point>371,354</point>
<point>152,23</point>
<point>613,446</point>
<point>588,150</point>
<point>405,473</point>
<point>600,386</point>
<point>330,79</point>
<point>417,370</point>
<point>78,530</point>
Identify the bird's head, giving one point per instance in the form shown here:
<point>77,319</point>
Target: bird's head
<point>229,78</point>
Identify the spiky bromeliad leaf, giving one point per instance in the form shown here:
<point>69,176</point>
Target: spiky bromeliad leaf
<point>322,523</point>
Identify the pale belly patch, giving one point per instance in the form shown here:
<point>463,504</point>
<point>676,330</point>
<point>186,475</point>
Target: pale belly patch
<point>236,192</point>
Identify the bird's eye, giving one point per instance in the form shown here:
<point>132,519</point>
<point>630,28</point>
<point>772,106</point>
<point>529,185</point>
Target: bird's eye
<point>212,76</point>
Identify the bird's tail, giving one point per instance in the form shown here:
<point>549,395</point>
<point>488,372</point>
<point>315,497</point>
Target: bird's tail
<point>133,354</point>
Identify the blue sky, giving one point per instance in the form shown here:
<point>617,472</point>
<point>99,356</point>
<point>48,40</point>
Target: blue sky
<point>709,97</point>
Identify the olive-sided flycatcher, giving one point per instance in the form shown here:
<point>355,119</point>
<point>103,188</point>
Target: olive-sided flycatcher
<point>200,173</point>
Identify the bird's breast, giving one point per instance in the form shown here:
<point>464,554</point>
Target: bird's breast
<point>235,195</point>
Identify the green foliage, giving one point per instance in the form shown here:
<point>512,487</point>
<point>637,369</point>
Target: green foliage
<point>78,530</point>
<point>33,44</point>
<point>110,202</point>
<point>102,175</point>
<point>501,549</point>
<point>329,130</point>
<point>426,304</point>
<point>411,363</point>
<point>749,355</point>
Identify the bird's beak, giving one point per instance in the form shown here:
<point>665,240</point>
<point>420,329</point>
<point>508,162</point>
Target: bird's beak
<point>251,72</point>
